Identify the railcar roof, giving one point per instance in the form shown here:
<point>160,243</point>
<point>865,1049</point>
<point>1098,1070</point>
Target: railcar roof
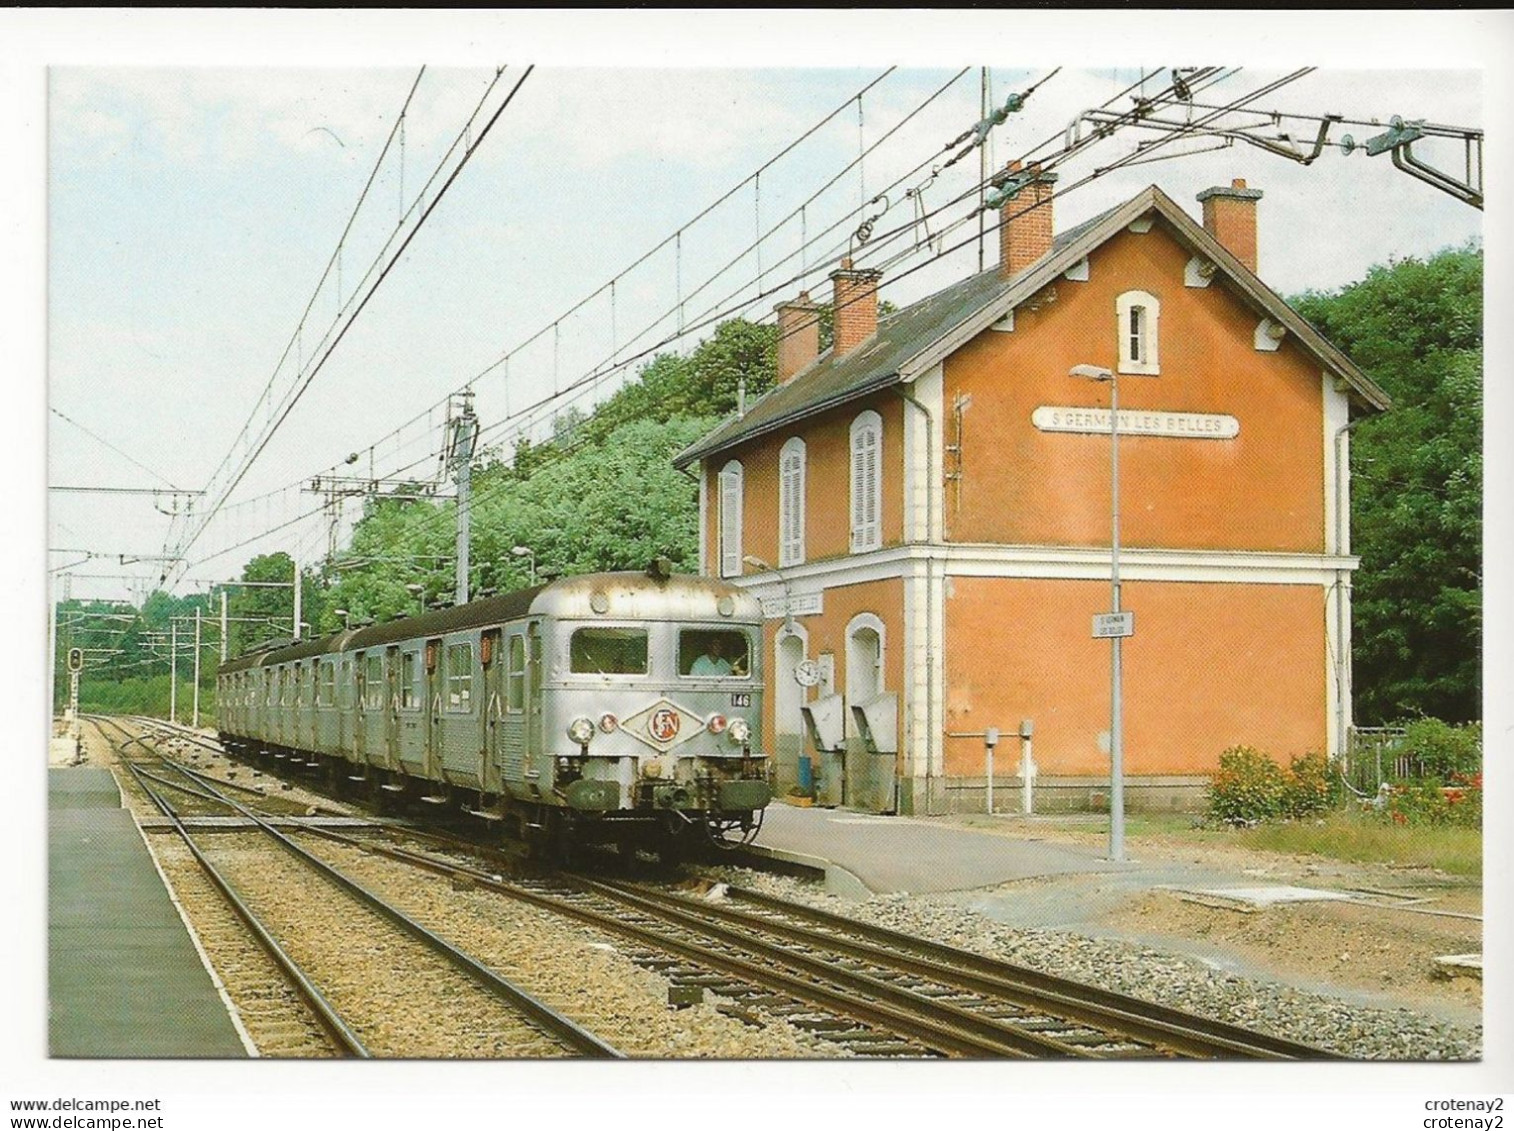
<point>476,614</point>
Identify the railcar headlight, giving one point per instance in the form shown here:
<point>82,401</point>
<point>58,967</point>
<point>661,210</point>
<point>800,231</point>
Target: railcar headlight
<point>608,723</point>
<point>740,731</point>
<point>580,730</point>
<point>717,724</point>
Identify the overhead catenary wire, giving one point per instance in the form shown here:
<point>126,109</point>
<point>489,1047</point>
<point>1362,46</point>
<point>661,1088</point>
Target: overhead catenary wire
<point>620,362</point>
<point>557,396</point>
<point>674,239</point>
<point>291,400</point>
<point>530,412</point>
<point>1099,172</point>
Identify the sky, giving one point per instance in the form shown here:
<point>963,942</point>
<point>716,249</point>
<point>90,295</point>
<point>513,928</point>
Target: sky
<point>179,182</point>
<point>192,214</point>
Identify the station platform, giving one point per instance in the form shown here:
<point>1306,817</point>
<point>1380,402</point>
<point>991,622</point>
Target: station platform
<point>125,978</point>
<point>864,854</point>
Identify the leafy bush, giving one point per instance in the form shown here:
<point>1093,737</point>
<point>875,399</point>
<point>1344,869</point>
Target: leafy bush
<point>1441,750</point>
<point>1309,787</point>
<point>1250,787</point>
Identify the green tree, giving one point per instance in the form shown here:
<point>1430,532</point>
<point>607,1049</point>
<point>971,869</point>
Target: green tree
<point>265,611</point>
<point>600,494</point>
<point>1416,484</point>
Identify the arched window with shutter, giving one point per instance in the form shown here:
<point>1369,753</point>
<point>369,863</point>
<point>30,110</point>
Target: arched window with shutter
<point>791,502</point>
<point>867,482</point>
<point>730,519</point>
<point>1138,315</point>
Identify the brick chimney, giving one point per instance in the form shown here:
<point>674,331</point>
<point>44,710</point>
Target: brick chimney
<point>856,307</point>
<point>798,335</point>
<point>1025,222</point>
<point>1230,217</point>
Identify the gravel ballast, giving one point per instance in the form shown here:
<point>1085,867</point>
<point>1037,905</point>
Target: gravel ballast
<point>1145,972</point>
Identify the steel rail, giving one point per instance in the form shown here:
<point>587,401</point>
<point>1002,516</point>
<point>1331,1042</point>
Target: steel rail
<point>1166,1028</point>
<point>555,1024</point>
<point>947,1038</point>
<point>1189,1035</point>
<point>966,962</point>
<point>909,1015</point>
<point>337,1031</point>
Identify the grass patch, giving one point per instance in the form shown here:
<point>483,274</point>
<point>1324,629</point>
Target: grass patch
<point>1366,840</point>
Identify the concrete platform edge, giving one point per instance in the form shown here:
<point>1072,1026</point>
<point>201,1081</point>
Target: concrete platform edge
<point>838,881</point>
<point>194,938</point>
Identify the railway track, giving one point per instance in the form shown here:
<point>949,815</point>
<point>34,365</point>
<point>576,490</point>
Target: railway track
<point>507,1020</point>
<point>1073,1014</point>
<point>876,992</point>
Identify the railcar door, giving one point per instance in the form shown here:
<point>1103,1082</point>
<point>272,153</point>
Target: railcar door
<point>393,693</point>
<point>533,745</point>
<point>346,714</point>
<point>360,698</point>
<point>508,723</point>
<point>490,657</point>
<point>460,711</point>
<point>413,710</point>
<point>434,681</point>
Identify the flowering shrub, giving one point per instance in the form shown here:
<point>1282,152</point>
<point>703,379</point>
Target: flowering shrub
<point>1250,787</point>
<point>1425,801</point>
<point>1309,787</point>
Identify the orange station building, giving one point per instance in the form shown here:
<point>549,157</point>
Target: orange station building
<point>925,512</point>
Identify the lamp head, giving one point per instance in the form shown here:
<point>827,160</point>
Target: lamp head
<point>1091,372</point>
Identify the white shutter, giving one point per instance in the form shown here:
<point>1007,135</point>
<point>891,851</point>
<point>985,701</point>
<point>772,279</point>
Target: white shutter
<point>730,520</point>
<point>866,430</point>
<point>791,503</point>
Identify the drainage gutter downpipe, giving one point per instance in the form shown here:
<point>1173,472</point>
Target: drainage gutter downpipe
<point>931,731</point>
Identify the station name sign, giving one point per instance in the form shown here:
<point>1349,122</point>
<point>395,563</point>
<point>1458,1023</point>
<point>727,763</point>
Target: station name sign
<point>1138,422</point>
<point>798,605</point>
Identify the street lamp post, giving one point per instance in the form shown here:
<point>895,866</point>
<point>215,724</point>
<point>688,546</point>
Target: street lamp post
<point>1116,703</point>
<point>526,552</point>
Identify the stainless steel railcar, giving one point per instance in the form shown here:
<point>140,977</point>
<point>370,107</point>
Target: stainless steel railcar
<point>616,707</point>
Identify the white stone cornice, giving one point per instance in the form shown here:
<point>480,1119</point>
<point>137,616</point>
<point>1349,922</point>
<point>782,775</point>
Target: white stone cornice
<point>1073,563</point>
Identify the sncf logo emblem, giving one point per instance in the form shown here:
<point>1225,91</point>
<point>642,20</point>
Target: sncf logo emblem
<point>660,725</point>
<point>663,725</point>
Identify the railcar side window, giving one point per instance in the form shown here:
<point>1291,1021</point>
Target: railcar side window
<point>608,651</point>
<point>713,652</point>
<point>373,686</point>
<point>325,688</point>
<point>410,667</point>
<point>515,692</point>
<point>460,677</point>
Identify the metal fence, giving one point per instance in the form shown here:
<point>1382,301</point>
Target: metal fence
<point>1375,755</point>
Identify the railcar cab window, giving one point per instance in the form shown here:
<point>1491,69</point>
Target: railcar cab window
<point>608,651</point>
<point>703,653</point>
